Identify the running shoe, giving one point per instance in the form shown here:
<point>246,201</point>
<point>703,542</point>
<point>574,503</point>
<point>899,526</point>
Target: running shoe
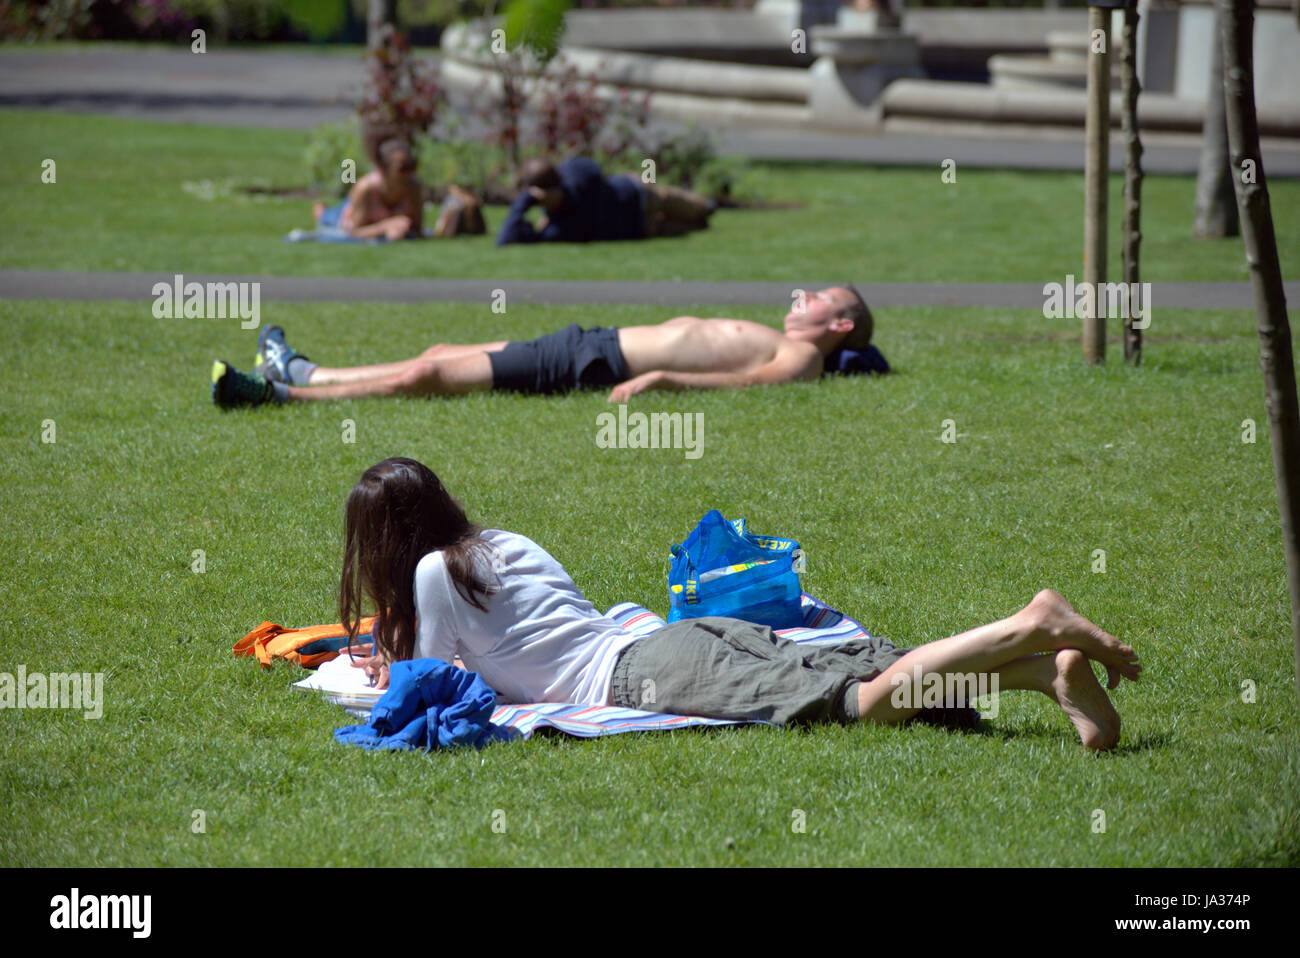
<point>231,388</point>
<point>273,355</point>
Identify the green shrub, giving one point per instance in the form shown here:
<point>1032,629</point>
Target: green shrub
<point>236,20</point>
<point>679,159</point>
<point>327,149</point>
<point>482,168</point>
<point>726,177</point>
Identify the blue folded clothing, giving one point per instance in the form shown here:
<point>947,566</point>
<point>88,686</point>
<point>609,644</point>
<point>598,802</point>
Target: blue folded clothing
<point>854,361</point>
<point>328,234</point>
<point>429,704</point>
<point>333,216</point>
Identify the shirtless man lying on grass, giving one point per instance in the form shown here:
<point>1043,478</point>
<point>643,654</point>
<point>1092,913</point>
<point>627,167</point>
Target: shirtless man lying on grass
<point>828,331</point>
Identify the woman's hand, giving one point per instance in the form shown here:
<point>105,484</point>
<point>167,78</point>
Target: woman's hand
<point>376,669</point>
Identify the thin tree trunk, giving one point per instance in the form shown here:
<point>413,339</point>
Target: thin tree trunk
<point>1266,281</point>
<point>379,14</point>
<point>381,22</point>
<point>1096,174</point>
<point>1216,206</point>
<point>887,14</point>
<point>1132,176</point>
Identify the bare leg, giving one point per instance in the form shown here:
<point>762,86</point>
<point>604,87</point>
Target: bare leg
<point>682,211</point>
<point>1047,624</point>
<point>1066,678</point>
<point>325,375</point>
<point>471,372</point>
<point>670,211</point>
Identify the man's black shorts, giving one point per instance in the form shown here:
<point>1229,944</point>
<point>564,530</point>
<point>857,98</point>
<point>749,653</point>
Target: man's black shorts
<point>573,358</point>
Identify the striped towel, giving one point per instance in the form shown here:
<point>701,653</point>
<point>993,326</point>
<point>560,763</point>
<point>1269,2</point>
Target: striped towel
<point>822,625</point>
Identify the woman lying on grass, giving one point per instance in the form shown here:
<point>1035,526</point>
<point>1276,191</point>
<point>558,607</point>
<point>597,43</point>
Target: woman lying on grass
<point>445,588</point>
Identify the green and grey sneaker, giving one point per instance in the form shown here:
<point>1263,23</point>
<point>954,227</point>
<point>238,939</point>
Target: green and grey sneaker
<point>231,388</point>
<point>273,355</point>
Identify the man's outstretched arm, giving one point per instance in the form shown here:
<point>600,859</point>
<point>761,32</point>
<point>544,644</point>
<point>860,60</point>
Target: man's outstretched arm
<point>516,228</point>
<point>789,365</point>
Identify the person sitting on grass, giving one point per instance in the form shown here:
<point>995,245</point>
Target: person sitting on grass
<point>387,202</point>
<point>444,588</point>
<point>582,206</point>
<point>828,331</point>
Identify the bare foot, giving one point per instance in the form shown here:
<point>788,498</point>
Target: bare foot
<point>1060,627</point>
<point>1078,693</point>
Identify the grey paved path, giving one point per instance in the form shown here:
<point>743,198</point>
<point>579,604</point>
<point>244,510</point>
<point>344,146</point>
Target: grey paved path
<point>23,284</point>
<point>299,90</point>
<point>239,88</point>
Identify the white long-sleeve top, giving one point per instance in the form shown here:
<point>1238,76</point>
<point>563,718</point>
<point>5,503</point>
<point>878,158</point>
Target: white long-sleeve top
<point>540,640</point>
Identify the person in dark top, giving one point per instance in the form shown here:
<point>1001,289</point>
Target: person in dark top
<point>583,205</point>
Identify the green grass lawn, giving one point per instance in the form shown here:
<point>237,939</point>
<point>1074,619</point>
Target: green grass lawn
<point>135,195</point>
<point>916,537</point>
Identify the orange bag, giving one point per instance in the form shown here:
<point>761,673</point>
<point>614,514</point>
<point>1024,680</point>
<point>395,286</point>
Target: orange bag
<point>309,647</point>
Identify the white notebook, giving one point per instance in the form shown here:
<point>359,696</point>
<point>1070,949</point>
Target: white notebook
<point>343,684</point>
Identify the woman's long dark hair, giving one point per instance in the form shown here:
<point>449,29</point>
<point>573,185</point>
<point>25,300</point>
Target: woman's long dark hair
<point>397,513</point>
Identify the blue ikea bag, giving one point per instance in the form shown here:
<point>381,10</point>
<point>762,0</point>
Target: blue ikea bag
<point>724,569</point>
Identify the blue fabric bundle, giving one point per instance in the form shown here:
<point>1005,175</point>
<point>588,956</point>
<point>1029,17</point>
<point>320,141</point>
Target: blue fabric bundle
<point>333,216</point>
<point>429,704</point>
<point>850,361</point>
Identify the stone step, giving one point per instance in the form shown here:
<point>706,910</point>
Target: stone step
<point>940,101</point>
<point>1014,71</point>
<point>1068,46</point>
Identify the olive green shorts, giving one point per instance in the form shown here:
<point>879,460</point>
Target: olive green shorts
<point>730,669</point>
